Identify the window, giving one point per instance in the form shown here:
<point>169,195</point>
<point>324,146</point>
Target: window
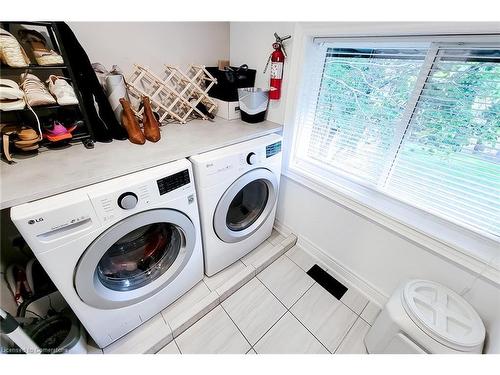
<point>417,121</point>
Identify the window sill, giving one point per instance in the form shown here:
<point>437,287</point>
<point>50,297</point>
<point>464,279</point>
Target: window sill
<point>438,235</point>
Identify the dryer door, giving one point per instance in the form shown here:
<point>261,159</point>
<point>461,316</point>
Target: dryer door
<point>245,205</point>
<point>135,258</point>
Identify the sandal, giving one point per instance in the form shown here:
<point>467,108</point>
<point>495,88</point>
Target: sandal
<point>11,52</point>
<point>62,90</point>
<point>35,91</point>
<point>43,55</point>
<point>57,132</point>
<point>11,97</point>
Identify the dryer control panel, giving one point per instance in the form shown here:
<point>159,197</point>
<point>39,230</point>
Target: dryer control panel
<point>225,164</point>
<point>273,149</point>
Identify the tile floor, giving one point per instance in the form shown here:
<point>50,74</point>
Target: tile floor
<point>280,309</point>
<point>264,303</point>
<point>159,331</point>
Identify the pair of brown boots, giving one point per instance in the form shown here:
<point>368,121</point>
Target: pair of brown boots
<point>149,123</point>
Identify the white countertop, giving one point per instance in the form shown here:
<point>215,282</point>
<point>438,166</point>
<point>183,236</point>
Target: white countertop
<point>55,171</point>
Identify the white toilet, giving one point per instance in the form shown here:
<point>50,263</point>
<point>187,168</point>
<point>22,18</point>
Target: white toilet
<point>426,317</point>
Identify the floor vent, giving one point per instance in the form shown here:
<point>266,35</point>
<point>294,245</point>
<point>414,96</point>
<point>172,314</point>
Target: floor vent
<point>327,281</point>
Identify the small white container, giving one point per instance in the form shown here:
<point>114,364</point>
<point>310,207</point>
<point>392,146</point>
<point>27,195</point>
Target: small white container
<point>426,317</point>
<point>227,110</point>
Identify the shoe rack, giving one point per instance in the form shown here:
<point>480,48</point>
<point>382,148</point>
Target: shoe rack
<point>67,113</point>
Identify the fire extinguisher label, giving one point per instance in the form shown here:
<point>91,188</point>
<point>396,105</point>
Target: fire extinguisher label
<point>276,70</point>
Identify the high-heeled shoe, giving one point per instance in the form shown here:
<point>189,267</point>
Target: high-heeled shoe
<point>149,122</point>
<point>130,123</point>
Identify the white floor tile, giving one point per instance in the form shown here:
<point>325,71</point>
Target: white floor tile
<point>370,312</point>
<point>190,316</point>
<point>170,349</point>
<point>260,251</point>
<point>354,299</point>
<point>150,337</point>
<point>301,258</point>
<point>353,343</point>
<point>188,300</point>
<point>215,281</point>
<point>325,316</point>
<point>235,283</point>
<point>276,237</point>
<point>214,333</point>
<point>254,310</point>
<point>288,336</point>
<point>286,280</point>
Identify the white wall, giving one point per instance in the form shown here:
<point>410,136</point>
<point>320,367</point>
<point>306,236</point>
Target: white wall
<point>153,44</point>
<point>373,253</point>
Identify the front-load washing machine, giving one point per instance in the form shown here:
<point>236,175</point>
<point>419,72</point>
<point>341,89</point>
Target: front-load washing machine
<point>119,251</point>
<point>237,193</point>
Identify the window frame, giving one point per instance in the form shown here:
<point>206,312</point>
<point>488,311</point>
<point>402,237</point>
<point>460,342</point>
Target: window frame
<point>458,242</point>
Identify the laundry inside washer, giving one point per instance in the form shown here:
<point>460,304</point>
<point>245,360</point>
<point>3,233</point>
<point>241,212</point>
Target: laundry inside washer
<point>140,256</point>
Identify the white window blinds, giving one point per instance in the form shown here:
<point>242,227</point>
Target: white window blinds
<point>449,160</point>
<point>421,124</point>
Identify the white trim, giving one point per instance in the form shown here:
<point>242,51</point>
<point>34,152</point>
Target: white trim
<point>365,287</point>
<point>483,263</point>
<point>281,228</point>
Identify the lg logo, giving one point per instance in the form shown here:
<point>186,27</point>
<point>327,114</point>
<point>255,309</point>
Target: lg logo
<point>33,221</point>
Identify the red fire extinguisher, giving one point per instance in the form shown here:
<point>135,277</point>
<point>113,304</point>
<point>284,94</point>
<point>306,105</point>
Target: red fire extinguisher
<point>277,60</point>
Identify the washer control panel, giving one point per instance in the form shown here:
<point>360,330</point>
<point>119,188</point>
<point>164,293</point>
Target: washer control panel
<point>123,196</point>
<point>167,184</point>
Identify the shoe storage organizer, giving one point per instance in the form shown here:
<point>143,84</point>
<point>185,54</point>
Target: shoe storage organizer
<point>47,57</point>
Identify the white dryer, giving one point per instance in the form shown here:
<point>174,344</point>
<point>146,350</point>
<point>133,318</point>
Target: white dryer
<point>119,251</point>
<point>237,194</point>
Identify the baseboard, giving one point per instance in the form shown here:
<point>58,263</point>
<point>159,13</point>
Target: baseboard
<point>281,228</point>
<point>373,293</point>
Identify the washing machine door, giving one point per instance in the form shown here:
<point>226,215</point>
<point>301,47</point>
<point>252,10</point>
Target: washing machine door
<point>135,258</point>
<point>245,205</point>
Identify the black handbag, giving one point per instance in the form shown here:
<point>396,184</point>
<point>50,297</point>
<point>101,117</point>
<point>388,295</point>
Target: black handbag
<point>230,80</point>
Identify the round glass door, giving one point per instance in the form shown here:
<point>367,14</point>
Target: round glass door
<point>140,256</point>
<point>245,205</point>
<point>135,258</point>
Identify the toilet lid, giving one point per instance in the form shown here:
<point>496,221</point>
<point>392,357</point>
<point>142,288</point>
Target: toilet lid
<point>443,315</point>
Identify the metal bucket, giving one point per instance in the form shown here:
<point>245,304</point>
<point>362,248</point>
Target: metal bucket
<point>253,104</point>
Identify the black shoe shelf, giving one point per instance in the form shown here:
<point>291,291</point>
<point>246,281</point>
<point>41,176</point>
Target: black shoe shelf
<point>67,114</point>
